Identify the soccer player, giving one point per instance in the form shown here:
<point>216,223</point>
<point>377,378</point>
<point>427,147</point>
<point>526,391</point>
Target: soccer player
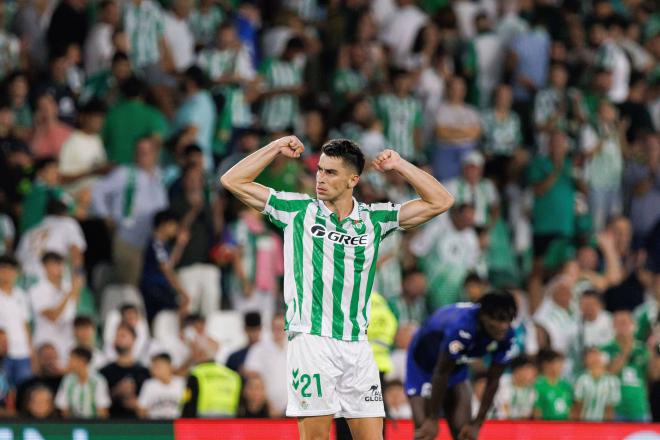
<point>330,252</point>
<point>437,370</point>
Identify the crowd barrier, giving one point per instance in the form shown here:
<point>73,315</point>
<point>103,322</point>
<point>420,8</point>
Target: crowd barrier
<point>235,429</point>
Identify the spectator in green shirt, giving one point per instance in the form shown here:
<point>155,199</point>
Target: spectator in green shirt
<point>628,359</point>
<point>554,395</point>
<point>45,187</point>
<point>130,120</point>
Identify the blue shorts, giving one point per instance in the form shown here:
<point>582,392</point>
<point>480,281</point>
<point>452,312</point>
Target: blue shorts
<point>418,380</point>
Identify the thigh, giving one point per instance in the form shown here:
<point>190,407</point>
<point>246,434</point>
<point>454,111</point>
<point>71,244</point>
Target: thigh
<point>368,428</point>
<point>314,428</point>
<point>359,390</point>
<point>458,407</point>
<point>311,377</point>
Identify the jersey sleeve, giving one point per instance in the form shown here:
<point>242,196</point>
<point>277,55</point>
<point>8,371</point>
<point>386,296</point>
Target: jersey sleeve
<point>282,207</point>
<point>386,215</point>
<point>456,342</point>
<point>505,350</point>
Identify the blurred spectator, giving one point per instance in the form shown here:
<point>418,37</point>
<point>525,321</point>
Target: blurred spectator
<point>642,183</point>
<point>252,327</point>
<point>84,333</point>
<point>161,395</point>
<point>196,208</point>
<point>557,315</point>
<point>554,395</point>
<point>47,373</point>
<point>382,331</point>
<point>40,403</point>
<point>10,47</point>
<point>282,84</point>
<point>457,131</point>
<point>229,68</point>
<point>399,29</point>
<point>98,48</point>
<point>49,132</point>
<point>204,21</point>
<point>635,110</point>
<point>130,120</point>
<point>610,56</point>
<point>82,157</point>
<point>44,188</point>
<point>594,328</point>
<point>646,315</point>
<point>7,234</point>
<point>484,60</point>
<point>195,119</point>
<point>130,314</point>
<point>56,82</point>
<point>83,392</point>
<point>195,335</point>
<point>105,84</point>
<point>7,393</point>
<point>447,248</point>
<point>212,390</point>
<point>401,115</point>
<point>397,403</point>
<point>474,287</point>
<point>31,24</point>
<point>58,233</point>
<point>125,376</point>
<point>159,284</point>
<point>254,403</point>
<point>127,200</point>
<point>18,91</point>
<point>516,394</point>
<point>411,306</point>
<point>628,360</point>
<point>258,263</point>
<point>54,301</point>
<point>178,34</point>
<point>68,25</point>
<point>15,317</point>
<point>472,188</point>
<point>596,391</point>
<point>604,145</point>
<point>268,359</point>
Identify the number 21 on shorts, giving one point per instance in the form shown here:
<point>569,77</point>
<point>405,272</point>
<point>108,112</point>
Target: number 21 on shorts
<point>302,383</point>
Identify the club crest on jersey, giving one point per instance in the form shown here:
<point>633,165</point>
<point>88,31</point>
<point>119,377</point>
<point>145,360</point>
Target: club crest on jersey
<point>320,231</point>
<point>455,347</point>
<point>359,227</point>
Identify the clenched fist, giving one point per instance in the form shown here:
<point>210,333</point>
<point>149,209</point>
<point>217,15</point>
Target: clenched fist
<point>387,160</point>
<point>290,146</point>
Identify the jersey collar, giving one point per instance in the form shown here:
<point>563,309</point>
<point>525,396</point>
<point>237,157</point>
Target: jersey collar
<point>354,215</point>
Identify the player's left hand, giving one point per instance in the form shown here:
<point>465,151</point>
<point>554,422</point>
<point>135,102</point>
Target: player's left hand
<point>469,432</point>
<point>387,160</point>
<point>428,430</point>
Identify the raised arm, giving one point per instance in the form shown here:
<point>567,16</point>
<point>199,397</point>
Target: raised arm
<point>239,180</point>
<point>434,198</point>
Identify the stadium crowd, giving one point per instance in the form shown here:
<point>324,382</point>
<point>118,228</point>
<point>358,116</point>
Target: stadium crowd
<point>119,247</point>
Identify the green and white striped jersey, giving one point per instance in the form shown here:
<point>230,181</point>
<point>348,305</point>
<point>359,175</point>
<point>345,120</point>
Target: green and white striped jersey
<point>329,265</point>
<point>281,111</point>
<point>400,117</point>
<point>144,28</point>
<point>83,400</point>
<point>204,24</point>
<point>596,394</point>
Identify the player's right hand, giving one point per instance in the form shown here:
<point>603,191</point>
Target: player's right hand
<point>290,146</point>
<point>428,430</point>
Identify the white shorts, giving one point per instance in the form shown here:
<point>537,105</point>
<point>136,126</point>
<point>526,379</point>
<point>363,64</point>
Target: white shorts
<point>331,377</point>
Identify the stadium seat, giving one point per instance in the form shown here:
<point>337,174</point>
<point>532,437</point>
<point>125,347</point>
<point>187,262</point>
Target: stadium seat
<point>226,327</point>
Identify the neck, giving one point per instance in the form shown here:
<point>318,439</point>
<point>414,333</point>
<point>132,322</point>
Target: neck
<point>341,207</point>
<point>624,339</point>
<point>5,286</point>
<point>597,372</point>
<point>83,375</point>
<point>167,380</point>
<point>55,280</point>
<point>552,378</point>
<point>125,360</point>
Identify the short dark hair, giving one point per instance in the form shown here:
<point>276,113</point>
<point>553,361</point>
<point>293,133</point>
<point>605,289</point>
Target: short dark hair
<point>593,293</point>
<point>8,260</point>
<point>94,106</point>
<point>83,353</point>
<point>52,257</point>
<point>127,306</point>
<point>192,149</point>
<point>126,326</point>
<point>56,207</point>
<point>165,216</point>
<point>119,56</point>
<point>347,150</point>
<point>252,319</point>
<point>193,318</point>
<point>472,277</point>
<point>521,361</point>
<point>132,87</point>
<point>499,304</point>
<point>162,357</point>
<point>45,162</point>
<point>197,76</point>
<point>83,321</point>
<point>546,356</point>
<point>295,43</point>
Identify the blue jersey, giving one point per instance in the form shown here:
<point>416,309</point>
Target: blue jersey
<point>455,330</point>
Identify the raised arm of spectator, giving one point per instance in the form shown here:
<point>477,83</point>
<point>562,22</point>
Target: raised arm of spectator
<point>239,180</point>
<point>53,314</point>
<point>434,198</point>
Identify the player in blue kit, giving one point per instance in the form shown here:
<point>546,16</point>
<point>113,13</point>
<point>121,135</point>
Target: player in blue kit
<point>437,370</point>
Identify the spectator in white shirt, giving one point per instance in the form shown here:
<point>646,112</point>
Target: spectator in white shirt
<point>160,396</point>
<point>400,29</point>
<point>14,320</point>
<point>268,359</point>
<point>84,332</point>
<point>99,48</point>
<point>557,316</point>
<point>54,303</point>
<point>58,233</point>
<point>178,36</point>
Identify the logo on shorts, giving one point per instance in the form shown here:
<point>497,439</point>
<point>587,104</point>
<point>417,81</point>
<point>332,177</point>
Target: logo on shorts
<point>295,382</point>
<point>319,231</point>
<point>374,395</point>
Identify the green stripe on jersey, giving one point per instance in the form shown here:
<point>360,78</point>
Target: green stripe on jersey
<point>337,288</point>
<point>317,267</point>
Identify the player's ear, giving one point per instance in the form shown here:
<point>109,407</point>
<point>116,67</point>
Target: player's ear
<point>354,180</point>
